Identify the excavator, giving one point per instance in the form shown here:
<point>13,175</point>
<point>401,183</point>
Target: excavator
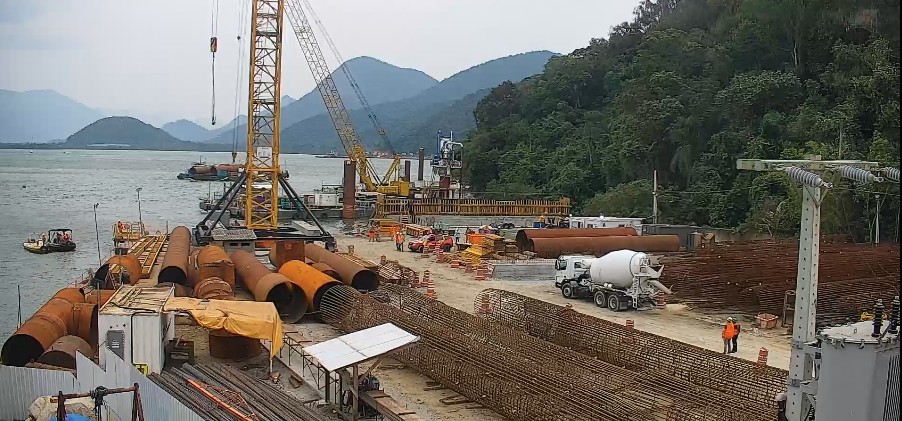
<point>391,184</point>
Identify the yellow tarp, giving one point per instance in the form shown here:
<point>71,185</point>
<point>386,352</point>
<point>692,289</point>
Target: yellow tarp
<point>252,319</point>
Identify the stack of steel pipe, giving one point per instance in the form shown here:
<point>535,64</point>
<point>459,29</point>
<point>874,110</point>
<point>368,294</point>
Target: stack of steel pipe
<point>175,262</point>
<point>213,288</point>
<point>553,248</point>
<point>62,352</point>
<point>351,273</point>
<point>51,322</point>
<point>312,282</point>
<point>525,235</point>
<point>517,375</point>
<point>324,268</point>
<point>745,382</point>
<point>289,299</point>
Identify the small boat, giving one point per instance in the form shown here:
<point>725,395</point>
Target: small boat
<point>56,240</point>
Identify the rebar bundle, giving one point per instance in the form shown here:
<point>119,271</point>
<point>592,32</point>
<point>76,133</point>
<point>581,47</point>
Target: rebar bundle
<point>634,350</point>
<point>524,377</point>
<point>754,277</point>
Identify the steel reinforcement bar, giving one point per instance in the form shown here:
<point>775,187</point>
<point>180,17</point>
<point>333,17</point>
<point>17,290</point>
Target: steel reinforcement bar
<point>744,381</point>
<point>520,376</point>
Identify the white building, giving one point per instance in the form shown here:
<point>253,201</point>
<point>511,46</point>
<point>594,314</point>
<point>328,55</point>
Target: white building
<point>602,221</point>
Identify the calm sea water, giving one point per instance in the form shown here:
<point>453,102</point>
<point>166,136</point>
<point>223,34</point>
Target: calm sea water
<point>57,189</point>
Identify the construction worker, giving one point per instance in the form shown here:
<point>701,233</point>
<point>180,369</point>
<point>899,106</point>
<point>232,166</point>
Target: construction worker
<point>780,399</point>
<point>399,240</point>
<point>729,330</point>
<point>372,234</point>
<point>447,243</point>
<point>735,337</point>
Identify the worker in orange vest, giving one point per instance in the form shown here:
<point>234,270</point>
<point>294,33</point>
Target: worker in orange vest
<point>399,240</point>
<point>447,244</point>
<point>372,234</point>
<point>729,331</point>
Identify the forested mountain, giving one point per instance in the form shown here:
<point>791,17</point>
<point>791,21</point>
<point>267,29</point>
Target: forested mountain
<point>187,130</point>
<point>413,122</point>
<point>126,133</point>
<point>688,87</point>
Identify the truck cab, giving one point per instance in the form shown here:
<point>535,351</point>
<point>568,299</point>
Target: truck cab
<point>570,267</point>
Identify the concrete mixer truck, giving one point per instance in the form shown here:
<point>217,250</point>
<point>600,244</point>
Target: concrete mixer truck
<point>619,280</point>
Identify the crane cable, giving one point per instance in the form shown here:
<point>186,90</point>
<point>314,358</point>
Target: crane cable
<point>239,64</point>
<point>214,18</point>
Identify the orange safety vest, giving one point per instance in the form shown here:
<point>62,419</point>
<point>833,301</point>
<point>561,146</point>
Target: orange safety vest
<point>729,331</point>
<point>399,238</point>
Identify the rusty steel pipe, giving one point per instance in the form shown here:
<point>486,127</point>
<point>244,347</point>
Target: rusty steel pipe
<point>213,289</point>
<point>175,261</point>
<point>313,282</point>
<point>62,352</point>
<point>226,345</point>
<point>180,290</point>
<point>131,268</point>
<point>285,250</point>
<point>290,300</point>
<point>324,268</point>
<point>524,235</point>
<point>41,330</point>
<point>407,170</point>
<point>553,248</point>
<point>99,296</point>
<point>84,322</point>
<point>351,273</point>
<point>421,163</point>
<point>214,262</point>
<point>349,191</point>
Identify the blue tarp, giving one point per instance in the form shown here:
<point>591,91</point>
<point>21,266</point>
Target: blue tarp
<point>72,417</point>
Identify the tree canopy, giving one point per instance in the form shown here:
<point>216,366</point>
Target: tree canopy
<point>685,89</point>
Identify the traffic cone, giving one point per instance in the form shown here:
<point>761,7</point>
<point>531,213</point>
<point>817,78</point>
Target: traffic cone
<point>630,324</point>
<point>469,267</point>
<point>426,279</point>
<point>438,255</point>
<point>455,263</point>
<point>480,273</point>
<point>661,301</point>
<point>762,356</point>
<point>430,290</point>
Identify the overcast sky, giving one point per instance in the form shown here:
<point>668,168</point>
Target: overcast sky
<point>151,58</point>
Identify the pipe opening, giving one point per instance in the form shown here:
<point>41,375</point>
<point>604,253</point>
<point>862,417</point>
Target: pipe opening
<point>290,301</point>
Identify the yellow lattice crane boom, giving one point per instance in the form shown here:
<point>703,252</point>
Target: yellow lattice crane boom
<point>338,113</point>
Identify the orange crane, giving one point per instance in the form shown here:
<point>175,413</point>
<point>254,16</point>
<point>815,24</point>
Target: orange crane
<point>391,183</point>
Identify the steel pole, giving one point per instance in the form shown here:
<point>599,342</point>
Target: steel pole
<point>803,328</point>
<point>140,220</point>
<point>97,233</point>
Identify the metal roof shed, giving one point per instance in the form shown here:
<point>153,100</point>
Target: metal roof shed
<point>355,348</point>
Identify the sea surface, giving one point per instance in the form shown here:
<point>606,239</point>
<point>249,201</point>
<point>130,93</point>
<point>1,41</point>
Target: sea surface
<point>47,189</point>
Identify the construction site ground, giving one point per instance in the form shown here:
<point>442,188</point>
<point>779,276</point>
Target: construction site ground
<point>458,289</point>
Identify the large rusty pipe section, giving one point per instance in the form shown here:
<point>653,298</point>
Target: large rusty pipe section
<point>349,191</point>
<point>131,268</point>
<point>191,269</point>
<point>553,248</point>
<point>213,289</point>
<point>407,170</point>
<point>313,282</point>
<point>40,331</point>
<point>285,250</point>
<point>324,268</point>
<point>290,299</point>
<point>99,296</point>
<point>175,262</point>
<point>524,235</point>
<point>62,352</point>
<point>351,273</point>
<point>214,262</point>
<point>84,322</point>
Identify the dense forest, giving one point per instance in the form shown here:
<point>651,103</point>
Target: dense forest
<point>688,87</point>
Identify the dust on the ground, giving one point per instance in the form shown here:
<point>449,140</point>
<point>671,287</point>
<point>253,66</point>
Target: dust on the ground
<point>458,289</point>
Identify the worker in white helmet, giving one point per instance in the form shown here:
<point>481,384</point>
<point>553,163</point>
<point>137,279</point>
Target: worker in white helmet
<point>780,399</point>
<point>729,331</point>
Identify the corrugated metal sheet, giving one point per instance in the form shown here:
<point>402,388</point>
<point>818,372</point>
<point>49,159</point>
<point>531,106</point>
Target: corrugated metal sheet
<point>20,386</point>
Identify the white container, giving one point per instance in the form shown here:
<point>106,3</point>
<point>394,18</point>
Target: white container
<point>133,326</point>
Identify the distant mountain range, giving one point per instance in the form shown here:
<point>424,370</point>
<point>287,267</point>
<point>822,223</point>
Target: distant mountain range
<point>411,105</point>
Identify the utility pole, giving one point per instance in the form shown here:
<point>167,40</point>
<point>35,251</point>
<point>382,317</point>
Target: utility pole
<point>97,233</point>
<point>654,195</point>
<point>800,387</point>
<point>140,221</point>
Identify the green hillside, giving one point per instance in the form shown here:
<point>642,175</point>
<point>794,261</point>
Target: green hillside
<point>688,87</point>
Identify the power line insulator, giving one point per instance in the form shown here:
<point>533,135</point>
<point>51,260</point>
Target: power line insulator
<point>857,174</point>
<point>807,178</point>
<point>891,174</point>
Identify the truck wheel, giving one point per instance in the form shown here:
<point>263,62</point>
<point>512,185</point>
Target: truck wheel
<point>567,291</point>
<point>600,298</point>
<point>614,302</point>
